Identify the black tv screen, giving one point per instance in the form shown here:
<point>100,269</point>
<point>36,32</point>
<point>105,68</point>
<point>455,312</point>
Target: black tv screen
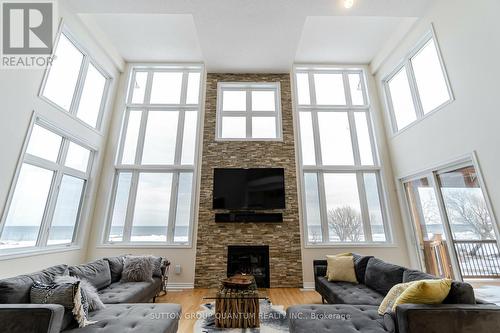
<point>249,189</point>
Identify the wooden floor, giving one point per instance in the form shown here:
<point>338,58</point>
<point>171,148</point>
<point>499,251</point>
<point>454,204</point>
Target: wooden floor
<point>192,299</point>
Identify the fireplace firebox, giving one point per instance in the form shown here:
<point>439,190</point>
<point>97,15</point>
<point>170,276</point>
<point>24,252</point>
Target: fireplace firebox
<point>252,260</point>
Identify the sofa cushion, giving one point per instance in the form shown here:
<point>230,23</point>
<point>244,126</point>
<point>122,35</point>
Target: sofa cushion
<point>348,293</point>
<point>360,263</point>
<point>16,290</point>
<point>96,272</point>
<point>460,292</point>
<point>130,292</point>
<point>134,318</point>
<point>382,276</point>
<point>115,267</point>
<point>335,318</point>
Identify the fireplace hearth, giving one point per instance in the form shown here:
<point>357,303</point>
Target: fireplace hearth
<point>252,260</point>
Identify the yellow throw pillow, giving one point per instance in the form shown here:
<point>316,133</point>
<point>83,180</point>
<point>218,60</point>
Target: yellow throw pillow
<point>346,254</point>
<point>341,269</point>
<point>425,292</point>
<point>392,295</point>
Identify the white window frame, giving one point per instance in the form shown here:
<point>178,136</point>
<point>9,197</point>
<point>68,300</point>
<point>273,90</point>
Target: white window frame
<point>59,170</point>
<point>248,87</point>
<point>77,94</point>
<point>319,169</point>
<point>176,168</point>
<point>406,64</point>
<point>432,174</point>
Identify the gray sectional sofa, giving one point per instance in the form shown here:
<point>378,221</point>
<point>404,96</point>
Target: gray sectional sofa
<point>354,307</point>
<point>127,303</point>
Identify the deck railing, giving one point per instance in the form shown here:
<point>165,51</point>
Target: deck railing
<point>478,258</point>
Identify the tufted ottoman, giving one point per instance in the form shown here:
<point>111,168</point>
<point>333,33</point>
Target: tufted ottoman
<point>125,318</point>
<point>341,318</point>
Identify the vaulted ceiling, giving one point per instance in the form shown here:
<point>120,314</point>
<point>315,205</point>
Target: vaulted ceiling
<point>249,35</point>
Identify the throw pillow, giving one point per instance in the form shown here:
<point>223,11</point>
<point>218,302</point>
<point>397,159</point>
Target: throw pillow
<point>341,269</point>
<point>156,265</point>
<point>88,290</point>
<point>346,254</point>
<point>392,295</point>
<point>137,269</point>
<point>68,295</point>
<point>425,292</point>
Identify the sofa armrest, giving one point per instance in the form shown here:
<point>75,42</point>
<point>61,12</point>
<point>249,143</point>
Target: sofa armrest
<point>31,318</point>
<point>447,318</point>
<point>319,268</point>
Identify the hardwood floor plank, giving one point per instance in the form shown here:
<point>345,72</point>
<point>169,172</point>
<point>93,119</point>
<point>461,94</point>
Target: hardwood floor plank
<point>192,299</point>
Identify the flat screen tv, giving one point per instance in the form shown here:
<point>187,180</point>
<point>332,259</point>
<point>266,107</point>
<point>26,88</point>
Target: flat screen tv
<point>249,189</point>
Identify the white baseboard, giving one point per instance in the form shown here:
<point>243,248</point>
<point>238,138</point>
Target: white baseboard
<point>179,286</point>
<point>308,286</point>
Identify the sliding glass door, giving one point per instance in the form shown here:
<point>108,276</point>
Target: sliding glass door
<point>456,233</point>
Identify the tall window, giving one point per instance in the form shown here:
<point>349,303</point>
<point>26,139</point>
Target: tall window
<point>153,195</point>
<point>339,165</point>
<point>46,199</point>
<point>451,212</point>
<point>248,111</point>
<point>418,86</point>
<point>75,83</point>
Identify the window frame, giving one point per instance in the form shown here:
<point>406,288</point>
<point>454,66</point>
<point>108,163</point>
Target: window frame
<point>432,173</point>
<point>176,168</point>
<point>406,65</point>
<point>248,87</point>
<point>77,93</point>
<point>357,168</point>
<point>59,170</point>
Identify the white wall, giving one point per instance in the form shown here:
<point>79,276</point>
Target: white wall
<point>395,253</point>
<point>19,98</point>
<point>468,34</point>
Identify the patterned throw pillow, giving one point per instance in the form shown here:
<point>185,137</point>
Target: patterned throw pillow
<point>88,291</point>
<point>68,295</point>
<point>391,297</point>
<point>137,269</point>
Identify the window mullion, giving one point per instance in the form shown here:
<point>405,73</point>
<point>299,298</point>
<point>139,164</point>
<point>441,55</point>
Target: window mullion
<point>325,234</point>
<point>179,138</point>
<point>149,85</point>
<point>123,136</point>
<point>365,214</point>
<point>77,94</point>
<point>248,115</point>
<point>52,198</point>
<point>141,138</point>
<point>173,207</point>
<point>414,89</point>
<point>354,138</point>
<point>127,229</point>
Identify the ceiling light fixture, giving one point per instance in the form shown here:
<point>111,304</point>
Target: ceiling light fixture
<point>348,3</point>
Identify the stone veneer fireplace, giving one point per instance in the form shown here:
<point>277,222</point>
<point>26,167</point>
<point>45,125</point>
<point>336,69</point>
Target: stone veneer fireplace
<point>213,239</point>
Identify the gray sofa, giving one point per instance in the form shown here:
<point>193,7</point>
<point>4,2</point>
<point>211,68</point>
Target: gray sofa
<point>354,307</point>
<point>127,303</point>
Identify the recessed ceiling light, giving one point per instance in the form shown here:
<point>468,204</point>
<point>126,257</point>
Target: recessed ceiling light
<point>348,3</point>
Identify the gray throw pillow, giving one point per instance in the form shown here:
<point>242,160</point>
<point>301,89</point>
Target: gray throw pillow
<point>137,269</point>
<point>157,266</point>
<point>68,295</point>
<point>88,290</point>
